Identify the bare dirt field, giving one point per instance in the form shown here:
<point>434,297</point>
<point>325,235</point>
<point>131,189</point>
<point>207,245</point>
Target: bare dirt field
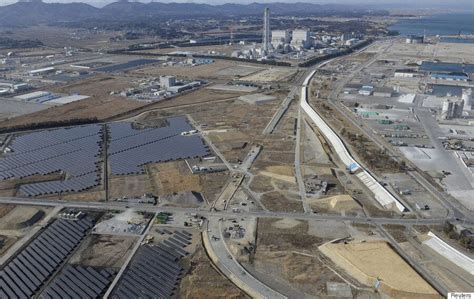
<point>57,37</point>
<point>98,195</point>
<point>460,53</point>
<point>129,186</point>
<point>397,232</point>
<point>103,251</point>
<point>271,75</point>
<point>369,261</point>
<point>100,104</point>
<point>287,255</point>
<point>16,216</point>
<point>286,234</point>
<point>278,202</point>
<point>5,209</point>
<point>173,177</point>
<point>202,278</point>
<point>339,204</point>
<point>219,70</point>
<point>228,49</point>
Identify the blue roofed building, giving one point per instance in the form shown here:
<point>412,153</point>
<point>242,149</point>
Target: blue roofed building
<point>453,76</point>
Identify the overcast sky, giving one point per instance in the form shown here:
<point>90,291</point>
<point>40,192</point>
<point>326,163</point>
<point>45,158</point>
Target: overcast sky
<point>469,4</point>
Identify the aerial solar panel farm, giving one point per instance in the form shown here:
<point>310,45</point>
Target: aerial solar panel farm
<point>24,275</point>
<point>74,151</point>
<point>66,252</point>
<point>76,154</point>
<point>130,149</point>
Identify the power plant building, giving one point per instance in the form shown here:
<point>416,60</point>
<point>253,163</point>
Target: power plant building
<point>300,39</point>
<point>414,39</point>
<point>452,109</point>
<point>167,81</point>
<point>280,38</point>
<point>468,99</point>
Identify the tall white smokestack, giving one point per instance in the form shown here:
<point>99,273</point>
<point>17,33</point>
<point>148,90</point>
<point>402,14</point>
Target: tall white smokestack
<point>266,30</point>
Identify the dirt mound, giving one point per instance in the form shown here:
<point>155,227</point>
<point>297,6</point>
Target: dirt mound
<point>184,199</point>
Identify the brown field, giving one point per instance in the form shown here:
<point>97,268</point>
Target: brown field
<point>133,185</point>
<point>287,252</point>
<point>367,261</point>
<point>261,184</point>
<point>98,195</point>
<point>285,234</point>
<point>103,251</point>
<point>228,49</point>
<point>278,202</point>
<point>5,209</point>
<point>335,204</point>
<point>100,105</point>
<point>174,177</point>
<point>202,277</point>
<point>219,70</point>
<point>17,215</point>
<point>298,271</point>
<point>397,232</point>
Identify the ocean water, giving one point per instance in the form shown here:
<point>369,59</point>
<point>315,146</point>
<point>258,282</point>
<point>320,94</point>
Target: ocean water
<point>440,24</point>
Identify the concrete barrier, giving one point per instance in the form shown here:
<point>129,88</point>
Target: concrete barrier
<point>450,253</point>
<point>385,198</point>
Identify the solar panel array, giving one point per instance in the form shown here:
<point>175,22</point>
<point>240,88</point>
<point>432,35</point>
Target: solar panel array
<point>74,151</point>
<point>446,67</point>
<point>154,271</point>
<point>124,66</point>
<point>24,275</point>
<point>130,149</point>
<point>79,282</point>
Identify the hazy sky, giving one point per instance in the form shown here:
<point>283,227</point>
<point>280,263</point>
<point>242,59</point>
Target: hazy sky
<point>469,4</point>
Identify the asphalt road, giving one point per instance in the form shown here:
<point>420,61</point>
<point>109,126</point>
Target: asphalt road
<point>206,213</point>
<point>231,267</point>
<point>280,112</point>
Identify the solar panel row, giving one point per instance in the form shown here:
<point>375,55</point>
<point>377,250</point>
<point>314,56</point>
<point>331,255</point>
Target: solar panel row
<point>125,66</point>
<point>24,275</point>
<point>154,271</point>
<point>74,184</point>
<point>78,282</point>
<point>74,151</point>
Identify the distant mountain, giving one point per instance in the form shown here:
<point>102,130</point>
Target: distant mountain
<point>35,12</point>
<point>197,9</point>
<point>31,13</point>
